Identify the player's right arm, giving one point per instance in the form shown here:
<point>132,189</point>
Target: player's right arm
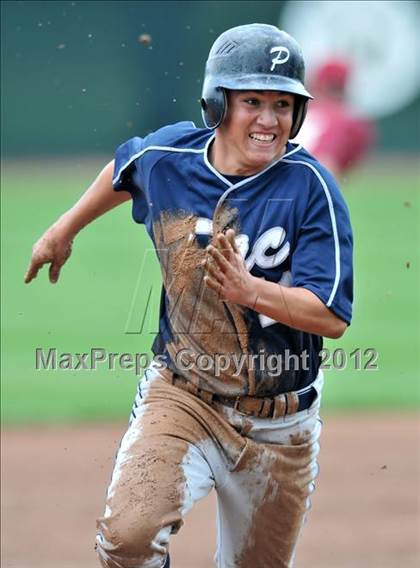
<point>54,247</point>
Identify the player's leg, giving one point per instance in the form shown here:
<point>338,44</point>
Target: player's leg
<point>263,502</point>
<point>159,473</point>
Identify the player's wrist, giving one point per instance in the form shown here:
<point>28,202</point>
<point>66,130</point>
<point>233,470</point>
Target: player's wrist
<point>250,293</point>
<point>65,228</point>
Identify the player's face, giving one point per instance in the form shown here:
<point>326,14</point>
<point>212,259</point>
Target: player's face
<point>255,130</point>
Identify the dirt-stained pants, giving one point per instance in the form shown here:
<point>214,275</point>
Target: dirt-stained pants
<point>177,448</point>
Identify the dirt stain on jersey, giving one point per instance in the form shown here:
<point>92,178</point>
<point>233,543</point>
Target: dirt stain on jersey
<point>200,322</point>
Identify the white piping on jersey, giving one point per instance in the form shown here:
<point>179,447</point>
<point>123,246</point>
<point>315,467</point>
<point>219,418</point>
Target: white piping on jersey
<point>246,180</point>
<point>210,165</point>
<point>333,223</point>
<point>159,148</point>
<point>204,151</point>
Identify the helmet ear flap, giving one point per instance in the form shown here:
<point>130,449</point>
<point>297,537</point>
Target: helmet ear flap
<point>299,114</point>
<point>213,106</point>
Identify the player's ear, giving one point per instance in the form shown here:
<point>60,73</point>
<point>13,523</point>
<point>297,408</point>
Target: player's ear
<point>300,107</point>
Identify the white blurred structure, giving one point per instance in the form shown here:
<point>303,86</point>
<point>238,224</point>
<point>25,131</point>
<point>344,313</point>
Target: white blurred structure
<point>380,39</point>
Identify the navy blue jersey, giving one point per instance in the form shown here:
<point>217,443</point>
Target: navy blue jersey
<point>292,228</point>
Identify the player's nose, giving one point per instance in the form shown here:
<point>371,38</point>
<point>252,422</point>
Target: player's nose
<point>267,117</point>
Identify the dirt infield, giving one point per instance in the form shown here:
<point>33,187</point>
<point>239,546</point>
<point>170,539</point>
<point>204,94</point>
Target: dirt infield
<point>365,511</point>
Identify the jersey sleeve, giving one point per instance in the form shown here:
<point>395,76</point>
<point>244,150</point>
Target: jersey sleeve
<point>126,175</point>
<point>322,260</point>
<point>129,170</point>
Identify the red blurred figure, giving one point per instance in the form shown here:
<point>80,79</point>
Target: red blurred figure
<point>333,132</point>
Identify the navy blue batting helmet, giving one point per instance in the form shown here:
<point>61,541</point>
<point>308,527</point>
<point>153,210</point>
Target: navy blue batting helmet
<point>253,57</point>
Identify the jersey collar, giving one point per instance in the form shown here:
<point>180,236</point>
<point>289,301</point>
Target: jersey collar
<point>290,149</point>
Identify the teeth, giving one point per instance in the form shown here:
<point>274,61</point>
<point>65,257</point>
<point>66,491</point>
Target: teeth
<point>262,137</point>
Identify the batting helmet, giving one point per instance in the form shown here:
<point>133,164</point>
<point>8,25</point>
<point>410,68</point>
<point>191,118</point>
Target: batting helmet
<point>254,57</point>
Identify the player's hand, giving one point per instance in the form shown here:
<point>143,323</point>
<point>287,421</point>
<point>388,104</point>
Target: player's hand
<point>226,272</point>
<point>53,248</point>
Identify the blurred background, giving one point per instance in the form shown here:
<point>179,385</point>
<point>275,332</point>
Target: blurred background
<point>79,78</point>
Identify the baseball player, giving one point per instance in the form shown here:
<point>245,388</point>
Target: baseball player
<point>333,132</point>
<point>255,247</point>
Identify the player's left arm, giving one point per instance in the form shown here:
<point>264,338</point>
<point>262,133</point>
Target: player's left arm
<point>296,307</point>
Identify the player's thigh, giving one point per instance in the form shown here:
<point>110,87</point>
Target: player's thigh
<point>158,475</point>
<point>262,505</point>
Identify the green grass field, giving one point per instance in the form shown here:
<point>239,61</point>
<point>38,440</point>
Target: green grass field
<point>105,285</point>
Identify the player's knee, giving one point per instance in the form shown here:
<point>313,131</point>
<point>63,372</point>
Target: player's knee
<point>121,543</point>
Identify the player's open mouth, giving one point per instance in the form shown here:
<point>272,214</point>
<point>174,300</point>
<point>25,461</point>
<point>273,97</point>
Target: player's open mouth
<point>263,139</point>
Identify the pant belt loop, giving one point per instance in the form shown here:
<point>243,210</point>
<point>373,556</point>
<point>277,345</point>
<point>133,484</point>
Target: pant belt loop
<point>292,400</point>
<point>266,408</point>
<point>280,406</point>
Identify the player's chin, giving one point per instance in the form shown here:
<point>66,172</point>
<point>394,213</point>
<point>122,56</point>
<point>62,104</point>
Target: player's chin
<point>266,152</point>
<point>261,158</point>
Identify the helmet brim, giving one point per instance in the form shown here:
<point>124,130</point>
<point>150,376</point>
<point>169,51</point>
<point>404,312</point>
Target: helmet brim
<point>263,83</point>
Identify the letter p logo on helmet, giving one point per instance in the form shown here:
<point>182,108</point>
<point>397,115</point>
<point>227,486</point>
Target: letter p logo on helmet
<point>283,55</point>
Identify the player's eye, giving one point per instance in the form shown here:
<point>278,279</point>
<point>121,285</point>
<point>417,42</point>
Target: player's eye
<point>283,103</point>
<point>252,102</point>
